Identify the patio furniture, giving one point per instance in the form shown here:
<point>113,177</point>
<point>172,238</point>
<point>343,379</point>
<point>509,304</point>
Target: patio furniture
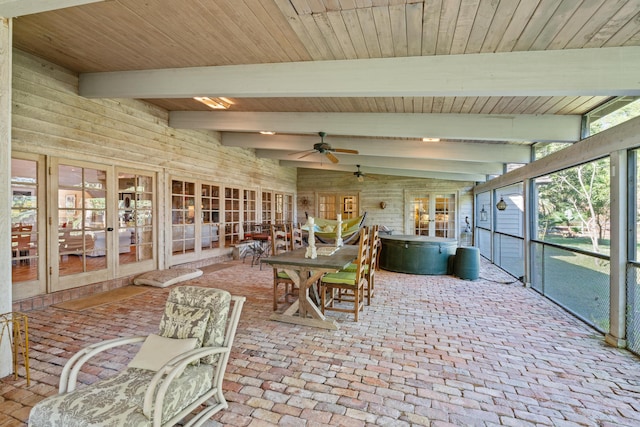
<point>279,244</point>
<point>349,284</point>
<point>175,372</point>
<point>325,229</point>
<point>372,262</point>
<point>305,272</point>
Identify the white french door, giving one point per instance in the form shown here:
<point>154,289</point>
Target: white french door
<point>432,214</point>
<point>82,227</point>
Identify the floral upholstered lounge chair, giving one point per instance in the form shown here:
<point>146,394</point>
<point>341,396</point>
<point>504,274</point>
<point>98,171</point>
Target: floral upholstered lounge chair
<point>172,374</point>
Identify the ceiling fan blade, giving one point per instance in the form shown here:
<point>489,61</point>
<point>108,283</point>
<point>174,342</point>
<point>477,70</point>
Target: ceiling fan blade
<point>344,150</point>
<point>307,154</point>
<point>295,153</point>
<point>331,157</point>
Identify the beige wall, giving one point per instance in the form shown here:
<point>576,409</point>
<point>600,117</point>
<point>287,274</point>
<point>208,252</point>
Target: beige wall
<point>390,189</point>
<point>50,119</point>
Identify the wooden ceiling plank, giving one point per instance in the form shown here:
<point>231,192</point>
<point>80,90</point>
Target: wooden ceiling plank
<point>398,105</point>
<point>566,72</point>
<point>590,28</point>
<point>500,106</point>
<point>590,102</point>
<point>579,19</point>
<point>500,22</point>
<point>342,34</point>
<point>383,29</point>
<point>325,28</point>
<point>317,6</point>
<point>555,24</point>
<point>478,105</point>
<point>447,104</point>
<point>488,106</point>
<point>447,27</point>
<point>408,104</point>
<point>464,25</point>
<point>625,33</point>
<point>368,26</point>
<point>481,24</point>
<point>280,29</point>
<point>352,24</point>
<point>538,105</point>
<point>414,12</point>
<point>348,4</point>
<point>538,20</point>
<point>301,6</point>
<point>430,26</point>
<point>518,23</point>
<point>622,17</point>
<point>298,27</point>
<point>317,36</point>
<point>456,106</point>
<point>523,107</point>
<point>467,104</point>
<point>398,19</point>
<point>332,5</point>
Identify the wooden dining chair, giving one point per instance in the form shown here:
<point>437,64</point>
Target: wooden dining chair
<point>295,241</point>
<point>280,244</point>
<point>348,284</point>
<point>372,262</point>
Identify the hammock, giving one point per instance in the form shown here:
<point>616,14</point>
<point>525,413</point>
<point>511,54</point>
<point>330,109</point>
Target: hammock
<point>325,229</point>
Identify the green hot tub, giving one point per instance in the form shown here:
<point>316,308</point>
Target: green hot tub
<point>416,254</point>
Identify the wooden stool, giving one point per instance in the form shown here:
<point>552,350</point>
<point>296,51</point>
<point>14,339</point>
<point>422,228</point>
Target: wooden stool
<point>16,326</point>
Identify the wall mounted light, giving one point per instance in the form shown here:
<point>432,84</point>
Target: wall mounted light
<point>483,214</point>
<point>501,205</point>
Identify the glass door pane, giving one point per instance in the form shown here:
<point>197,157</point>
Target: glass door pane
<point>422,215</point>
<point>135,218</point>
<point>83,248</point>
<point>444,214</point>
<point>27,229</point>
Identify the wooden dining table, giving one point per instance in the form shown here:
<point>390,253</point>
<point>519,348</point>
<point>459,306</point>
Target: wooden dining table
<point>305,272</point>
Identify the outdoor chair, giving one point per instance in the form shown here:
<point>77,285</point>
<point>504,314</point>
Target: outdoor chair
<point>349,284</point>
<point>372,262</point>
<point>174,373</point>
<point>280,244</point>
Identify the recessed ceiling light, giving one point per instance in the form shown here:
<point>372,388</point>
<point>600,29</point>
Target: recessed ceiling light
<point>215,103</point>
<point>430,139</point>
<point>267,132</point>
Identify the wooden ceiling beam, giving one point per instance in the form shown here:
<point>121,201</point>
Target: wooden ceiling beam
<point>400,148</point>
<point>574,72</point>
<point>499,127</point>
<point>459,176</point>
<point>15,8</point>
<point>448,166</point>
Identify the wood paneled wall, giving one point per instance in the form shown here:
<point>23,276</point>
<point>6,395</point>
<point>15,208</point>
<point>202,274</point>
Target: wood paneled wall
<point>50,118</point>
<point>391,189</point>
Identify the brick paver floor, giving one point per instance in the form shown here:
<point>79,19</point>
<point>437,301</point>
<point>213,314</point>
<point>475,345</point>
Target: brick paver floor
<point>430,350</point>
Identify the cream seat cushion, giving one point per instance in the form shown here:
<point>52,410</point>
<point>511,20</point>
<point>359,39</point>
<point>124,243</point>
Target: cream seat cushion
<point>164,278</point>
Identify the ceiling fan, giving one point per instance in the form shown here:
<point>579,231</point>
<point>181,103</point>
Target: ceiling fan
<point>360,175</point>
<point>326,149</point>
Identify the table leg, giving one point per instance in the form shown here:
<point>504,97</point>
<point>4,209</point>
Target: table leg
<point>309,314</point>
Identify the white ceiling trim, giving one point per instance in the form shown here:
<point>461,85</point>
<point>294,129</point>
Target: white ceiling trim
<point>400,125</point>
<point>449,166</point>
<point>15,8</point>
<point>401,148</point>
<point>386,171</point>
<point>573,72</point>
